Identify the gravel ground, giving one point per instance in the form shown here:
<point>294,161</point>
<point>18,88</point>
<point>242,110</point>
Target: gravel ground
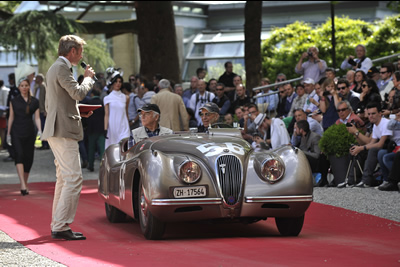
<point>13,253</point>
<point>364,200</point>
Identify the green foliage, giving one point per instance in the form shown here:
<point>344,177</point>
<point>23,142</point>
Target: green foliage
<point>385,40</point>
<point>336,140</point>
<point>35,33</point>
<point>97,55</point>
<point>394,5</point>
<point>283,49</point>
<point>9,6</point>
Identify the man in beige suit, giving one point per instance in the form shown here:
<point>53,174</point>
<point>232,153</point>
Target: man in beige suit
<point>63,130</point>
<point>173,110</point>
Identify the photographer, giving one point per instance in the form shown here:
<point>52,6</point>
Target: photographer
<point>347,116</point>
<point>313,68</point>
<point>360,63</point>
<point>363,136</point>
<point>392,106</point>
<point>380,133</point>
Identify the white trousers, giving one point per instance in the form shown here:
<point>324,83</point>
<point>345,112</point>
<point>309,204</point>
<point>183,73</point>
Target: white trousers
<point>69,182</point>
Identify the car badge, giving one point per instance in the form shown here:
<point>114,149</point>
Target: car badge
<point>231,200</point>
<point>226,150</point>
<point>222,166</point>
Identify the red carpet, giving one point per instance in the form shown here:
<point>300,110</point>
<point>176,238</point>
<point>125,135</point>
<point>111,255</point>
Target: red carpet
<point>331,237</point>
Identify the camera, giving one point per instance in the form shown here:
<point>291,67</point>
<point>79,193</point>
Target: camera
<point>351,123</point>
<point>310,54</point>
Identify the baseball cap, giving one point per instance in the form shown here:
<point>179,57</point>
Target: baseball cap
<point>372,71</point>
<point>150,107</point>
<point>309,81</point>
<point>210,107</point>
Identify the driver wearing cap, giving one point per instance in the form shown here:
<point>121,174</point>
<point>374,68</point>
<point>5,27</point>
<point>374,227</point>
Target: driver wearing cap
<point>149,114</point>
<point>209,114</point>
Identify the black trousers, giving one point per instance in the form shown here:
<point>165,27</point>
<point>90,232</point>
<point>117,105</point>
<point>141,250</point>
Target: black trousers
<point>394,176</point>
<point>320,165</point>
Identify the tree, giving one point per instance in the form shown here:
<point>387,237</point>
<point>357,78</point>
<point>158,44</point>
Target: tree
<point>35,33</point>
<point>7,7</point>
<point>283,49</point>
<point>157,39</point>
<point>385,40</point>
<point>252,43</point>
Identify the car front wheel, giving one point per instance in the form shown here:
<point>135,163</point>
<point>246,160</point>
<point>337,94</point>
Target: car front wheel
<point>151,227</point>
<point>290,226</point>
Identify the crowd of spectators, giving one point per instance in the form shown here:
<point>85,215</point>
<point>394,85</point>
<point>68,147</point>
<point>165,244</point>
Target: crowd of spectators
<point>366,99</point>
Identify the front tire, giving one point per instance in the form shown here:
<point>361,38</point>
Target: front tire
<point>152,228</point>
<point>290,226</point>
<point>113,214</point>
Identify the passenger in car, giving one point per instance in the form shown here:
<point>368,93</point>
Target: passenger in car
<point>209,114</point>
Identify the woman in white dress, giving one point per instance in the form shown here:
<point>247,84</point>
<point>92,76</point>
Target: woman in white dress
<point>116,125</point>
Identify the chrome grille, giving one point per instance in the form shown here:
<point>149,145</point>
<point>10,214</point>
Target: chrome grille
<point>229,174</point>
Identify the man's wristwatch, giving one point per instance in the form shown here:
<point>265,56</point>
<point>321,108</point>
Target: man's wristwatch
<point>132,121</point>
<point>357,133</point>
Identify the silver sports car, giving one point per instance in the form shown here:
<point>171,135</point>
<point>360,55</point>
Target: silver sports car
<point>204,176</point>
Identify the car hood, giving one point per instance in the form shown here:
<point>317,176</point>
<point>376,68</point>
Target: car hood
<point>202,145</point>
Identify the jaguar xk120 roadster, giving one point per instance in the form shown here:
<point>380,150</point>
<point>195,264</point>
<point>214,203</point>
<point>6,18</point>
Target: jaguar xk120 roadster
<point>204,176</point>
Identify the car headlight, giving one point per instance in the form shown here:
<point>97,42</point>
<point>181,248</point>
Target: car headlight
<point>189,172</point>
<point>272,170</point>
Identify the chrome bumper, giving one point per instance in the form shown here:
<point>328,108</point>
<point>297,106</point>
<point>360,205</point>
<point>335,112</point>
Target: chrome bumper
<point>274,199</point>
<point>186,201</point>
<point>218,201</point>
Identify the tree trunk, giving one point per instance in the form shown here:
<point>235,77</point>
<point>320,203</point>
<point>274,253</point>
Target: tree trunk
<point>157,40</point>
<point>252,43</point>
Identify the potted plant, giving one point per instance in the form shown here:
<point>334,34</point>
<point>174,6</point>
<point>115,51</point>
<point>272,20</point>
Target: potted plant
<point>335,143</point>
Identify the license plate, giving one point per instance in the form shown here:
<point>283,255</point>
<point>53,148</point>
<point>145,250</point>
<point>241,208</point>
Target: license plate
<point>192,191</point>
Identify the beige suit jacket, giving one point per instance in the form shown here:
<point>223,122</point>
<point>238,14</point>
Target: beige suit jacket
<point>62,96</point>
<point>172,110</point>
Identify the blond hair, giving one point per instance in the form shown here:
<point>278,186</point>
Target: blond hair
<point>67,42</point>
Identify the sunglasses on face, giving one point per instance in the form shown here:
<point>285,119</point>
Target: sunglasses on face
<point>219,89</point>
<point>383,72</point>
<point>281,80</point>
<point>341,88</point>
<point>364,85</point>
<point>342,110</point>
